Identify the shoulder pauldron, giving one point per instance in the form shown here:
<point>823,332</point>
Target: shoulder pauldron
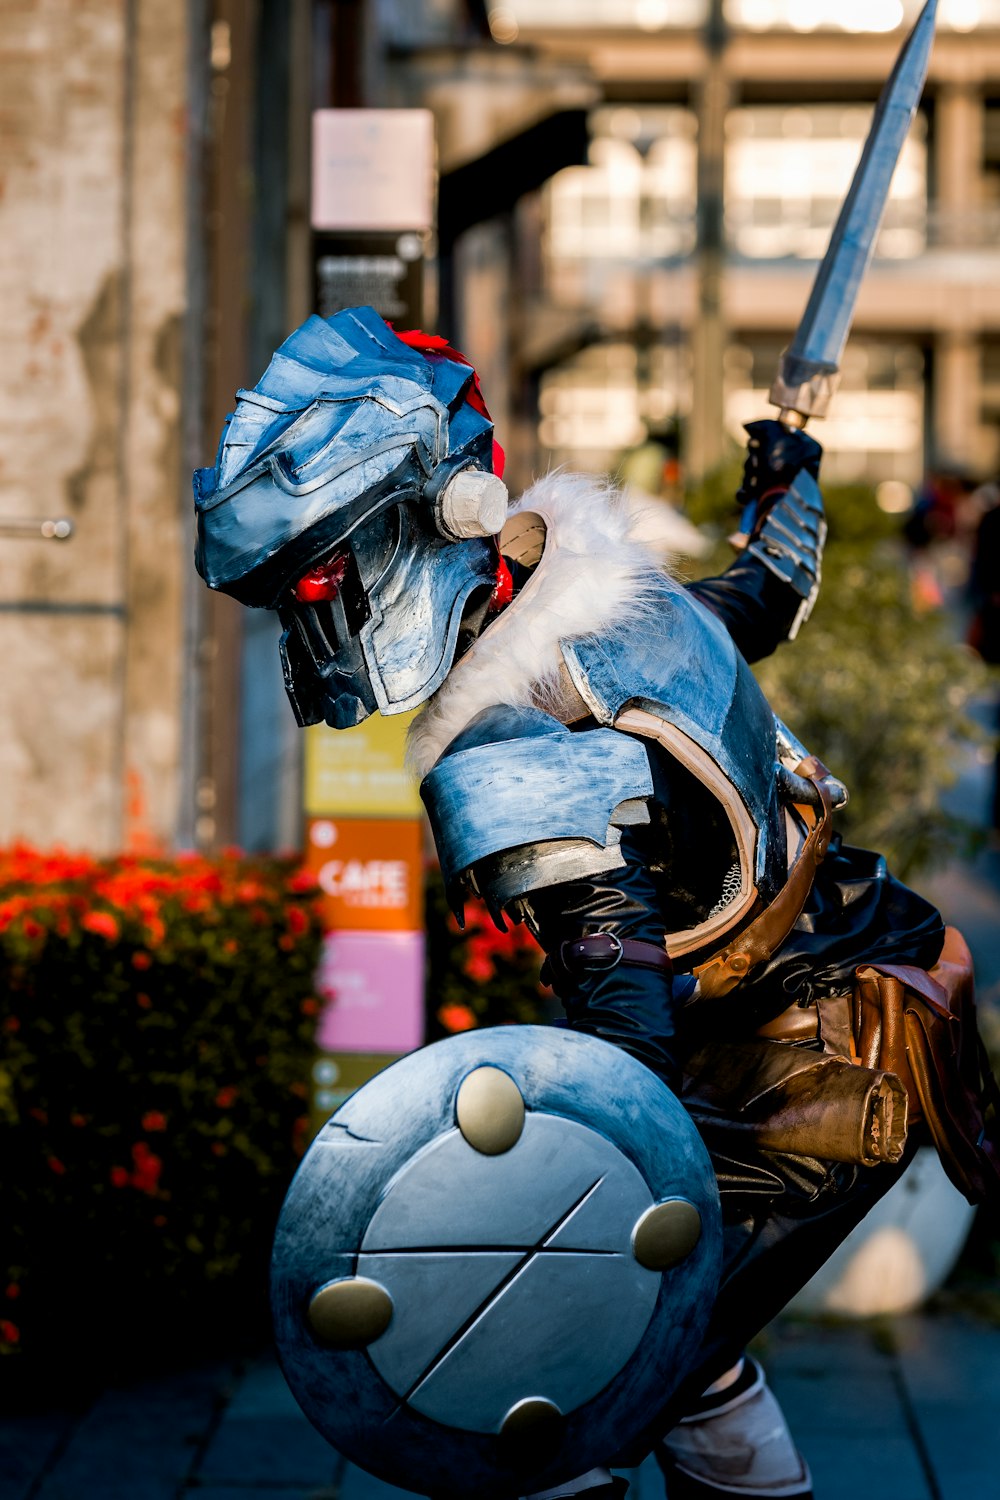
<point>518,801</point>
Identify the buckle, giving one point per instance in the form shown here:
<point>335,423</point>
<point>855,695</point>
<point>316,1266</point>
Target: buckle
<point>597,954</point>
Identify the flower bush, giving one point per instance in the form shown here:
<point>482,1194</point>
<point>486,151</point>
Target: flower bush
<point>157,1023</point>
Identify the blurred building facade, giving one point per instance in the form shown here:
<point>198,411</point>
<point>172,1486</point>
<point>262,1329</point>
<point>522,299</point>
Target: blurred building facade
<point>631,197</point>
<point>777,96</point>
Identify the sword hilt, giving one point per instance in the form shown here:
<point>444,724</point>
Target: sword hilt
<point>802,388</point>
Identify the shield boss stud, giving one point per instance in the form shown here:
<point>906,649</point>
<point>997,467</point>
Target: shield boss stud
<point>350,1314</point>
<point>666,1234</point>
<point>531,1432</point>
<point>490,1111</point>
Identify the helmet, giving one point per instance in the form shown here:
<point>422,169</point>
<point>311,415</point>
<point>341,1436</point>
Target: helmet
<point>354,493</point>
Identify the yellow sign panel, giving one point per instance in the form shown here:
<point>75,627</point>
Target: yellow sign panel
<point>360,771</point>
<point>336,1076</point>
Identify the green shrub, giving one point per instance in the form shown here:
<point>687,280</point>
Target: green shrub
<point>157,1022</point>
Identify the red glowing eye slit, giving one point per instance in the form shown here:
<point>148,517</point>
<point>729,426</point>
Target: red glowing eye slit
<point>323,581</point>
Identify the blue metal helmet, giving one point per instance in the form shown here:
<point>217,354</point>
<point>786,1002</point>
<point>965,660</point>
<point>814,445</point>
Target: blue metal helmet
<point>497,1262</point>
<point>354,493</point>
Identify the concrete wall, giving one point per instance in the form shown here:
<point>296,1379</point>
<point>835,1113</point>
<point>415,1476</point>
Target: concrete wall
<point>92,299</point>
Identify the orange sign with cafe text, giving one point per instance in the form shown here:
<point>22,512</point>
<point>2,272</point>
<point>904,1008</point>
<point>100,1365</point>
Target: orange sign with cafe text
<point>369,872</point>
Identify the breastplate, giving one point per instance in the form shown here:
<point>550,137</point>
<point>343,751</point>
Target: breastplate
<point>672,674</point>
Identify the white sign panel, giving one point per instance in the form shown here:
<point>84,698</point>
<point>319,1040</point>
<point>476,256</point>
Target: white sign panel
<point>373,169</point>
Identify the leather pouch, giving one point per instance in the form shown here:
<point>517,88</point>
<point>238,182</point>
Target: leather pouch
<point>921,1026</point>
<point>798,1100</point>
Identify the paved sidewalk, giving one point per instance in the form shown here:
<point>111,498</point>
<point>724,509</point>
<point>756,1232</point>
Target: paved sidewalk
<point>908,1410</point>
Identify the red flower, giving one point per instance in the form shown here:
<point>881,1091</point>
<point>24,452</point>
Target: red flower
<point>155,931</point>
<point>298,922</point>
<point>39,1115</point>
<point>31,928</point>
<point>479,967</point>
<point>226,1097</point>
<point>160,1220</point>
<point>309,1007</point>
<point>218,1149</point>
<point>103,923</point>
<point>143,1002</point>
<point>13,1291</point>
<point>141,959</point>
<point>78,1120</point>
<point>302,881</point>
<point>9,1332</point>
<point>119,1177</point>
<point>56,1166</point>
<point>153,1120</point>
<point>456,1018</point>
<point>148,1167</point>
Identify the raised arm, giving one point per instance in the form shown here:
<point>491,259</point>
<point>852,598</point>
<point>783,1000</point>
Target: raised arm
<point>764,596</point>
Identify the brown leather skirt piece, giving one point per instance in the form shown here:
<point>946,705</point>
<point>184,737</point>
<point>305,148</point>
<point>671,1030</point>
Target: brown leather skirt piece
<point>843,1077</point>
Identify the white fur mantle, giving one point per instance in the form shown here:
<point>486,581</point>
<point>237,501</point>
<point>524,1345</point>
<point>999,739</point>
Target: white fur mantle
<point>604,553</point>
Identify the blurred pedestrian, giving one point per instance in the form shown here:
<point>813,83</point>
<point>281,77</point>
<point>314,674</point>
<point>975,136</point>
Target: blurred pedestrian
<point>984,626</point>
<point>938,532</point>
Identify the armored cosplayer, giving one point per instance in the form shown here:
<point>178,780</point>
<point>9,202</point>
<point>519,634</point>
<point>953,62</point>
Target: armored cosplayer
<point>522,1257</point>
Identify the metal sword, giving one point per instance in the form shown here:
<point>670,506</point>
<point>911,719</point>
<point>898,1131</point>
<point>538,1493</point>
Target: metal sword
<point>809,368</point>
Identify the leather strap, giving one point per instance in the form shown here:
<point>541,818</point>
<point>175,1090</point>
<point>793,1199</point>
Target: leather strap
<point>603,951</point>
<point>723,971</point>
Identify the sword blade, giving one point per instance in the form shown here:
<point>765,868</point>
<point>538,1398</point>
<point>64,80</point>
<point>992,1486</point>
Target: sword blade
<point>808,366</point>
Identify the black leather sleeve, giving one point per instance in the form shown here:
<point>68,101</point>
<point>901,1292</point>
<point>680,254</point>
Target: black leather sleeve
<point>629,1006</point>
<point>756,607</point>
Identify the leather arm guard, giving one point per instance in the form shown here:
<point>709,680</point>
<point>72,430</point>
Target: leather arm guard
<point>599,933</point>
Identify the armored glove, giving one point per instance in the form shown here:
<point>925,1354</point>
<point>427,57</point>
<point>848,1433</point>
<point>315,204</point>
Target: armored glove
<point>782,525</point>
<point>775,455</point>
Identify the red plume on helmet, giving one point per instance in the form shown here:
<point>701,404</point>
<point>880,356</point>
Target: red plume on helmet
<point>433,343</point>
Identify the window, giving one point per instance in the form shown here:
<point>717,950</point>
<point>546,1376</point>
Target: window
<point>608,399</point>
<point>788,169</point>
<point>636,200</point>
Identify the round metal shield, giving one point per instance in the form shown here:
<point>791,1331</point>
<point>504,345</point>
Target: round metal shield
<point>496,1262</point>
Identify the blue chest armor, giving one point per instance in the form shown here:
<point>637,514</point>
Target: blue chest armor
<point>519,802</point>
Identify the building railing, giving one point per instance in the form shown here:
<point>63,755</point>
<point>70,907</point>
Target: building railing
<point>758,232</point>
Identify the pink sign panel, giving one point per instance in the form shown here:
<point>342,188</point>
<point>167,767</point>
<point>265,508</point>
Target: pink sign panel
<point>373,986</point>
<point>372,169</point>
